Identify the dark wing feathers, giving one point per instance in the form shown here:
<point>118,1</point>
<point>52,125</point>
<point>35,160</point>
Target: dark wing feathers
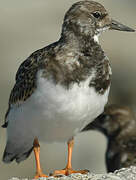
<point>25,82</point>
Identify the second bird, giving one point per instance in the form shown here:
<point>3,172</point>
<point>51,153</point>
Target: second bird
<point>118,124</point>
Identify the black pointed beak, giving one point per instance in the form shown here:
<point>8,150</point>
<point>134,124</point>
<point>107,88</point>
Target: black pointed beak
<point>90,126</point>
<point>115,25</point>
<point>96,124</point>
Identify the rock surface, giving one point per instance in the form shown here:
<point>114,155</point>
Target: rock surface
<point>122,174</point>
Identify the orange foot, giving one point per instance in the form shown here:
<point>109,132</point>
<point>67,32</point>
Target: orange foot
<point>39,174</point>
<point>68,171</point>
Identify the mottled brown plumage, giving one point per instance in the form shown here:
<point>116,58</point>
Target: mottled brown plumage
<point>63,72</point>
<point>55,58</point>
<point>118,124</point>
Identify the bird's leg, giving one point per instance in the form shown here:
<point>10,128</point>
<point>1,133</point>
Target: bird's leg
<point>70,149</point>
<point>68,170</point>
<point>36,149</point>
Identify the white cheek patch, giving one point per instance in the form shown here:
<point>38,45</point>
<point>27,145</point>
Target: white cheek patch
<point>99,31</point>
<point>96,39</point>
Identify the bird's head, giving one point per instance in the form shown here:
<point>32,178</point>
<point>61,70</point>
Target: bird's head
<point>89,18</point>
<point>113,120</point>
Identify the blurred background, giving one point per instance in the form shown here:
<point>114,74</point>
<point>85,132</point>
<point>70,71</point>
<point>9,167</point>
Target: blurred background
<point>28,25</point>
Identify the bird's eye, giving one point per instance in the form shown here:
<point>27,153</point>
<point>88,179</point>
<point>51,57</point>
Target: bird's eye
<point>96,14</point>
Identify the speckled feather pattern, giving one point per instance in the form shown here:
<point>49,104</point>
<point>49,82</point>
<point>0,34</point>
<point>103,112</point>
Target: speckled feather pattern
<point>65,72</point>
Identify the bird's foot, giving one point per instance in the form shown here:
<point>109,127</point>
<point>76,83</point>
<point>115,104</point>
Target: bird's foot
<point>68,171</point>
<point>39,174</point>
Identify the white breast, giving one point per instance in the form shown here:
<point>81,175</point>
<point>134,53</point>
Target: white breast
<point>54,113</point>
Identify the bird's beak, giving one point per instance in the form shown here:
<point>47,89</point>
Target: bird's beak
<point>90,126</point>
<point>115,25</point>
<point>96,124</point>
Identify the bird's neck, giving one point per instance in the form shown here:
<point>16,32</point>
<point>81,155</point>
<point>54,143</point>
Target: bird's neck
<point>83,43</point>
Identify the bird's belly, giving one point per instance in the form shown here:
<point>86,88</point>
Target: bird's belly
<point>54,113</point>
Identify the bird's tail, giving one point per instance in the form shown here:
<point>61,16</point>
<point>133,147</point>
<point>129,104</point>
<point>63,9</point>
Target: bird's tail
<point>18,154</point>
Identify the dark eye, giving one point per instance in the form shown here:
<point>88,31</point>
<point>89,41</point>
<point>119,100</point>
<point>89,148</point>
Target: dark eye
<point>96,14</point>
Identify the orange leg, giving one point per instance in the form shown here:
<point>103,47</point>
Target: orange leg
<point>68,170</point>
<point>39,172</point>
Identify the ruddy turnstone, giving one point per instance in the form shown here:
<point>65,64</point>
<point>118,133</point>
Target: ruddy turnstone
<point>118,124</point>
<point>59,87</point>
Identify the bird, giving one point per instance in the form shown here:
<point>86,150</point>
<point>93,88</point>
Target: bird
<point>118,124</point>
<point>59,87</point>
